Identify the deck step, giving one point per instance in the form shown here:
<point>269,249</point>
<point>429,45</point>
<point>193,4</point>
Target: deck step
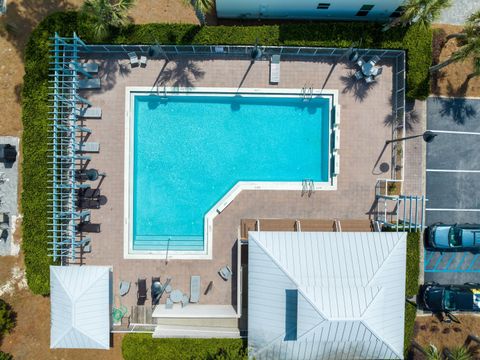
<point>161,243</point>
<point>202,332</point>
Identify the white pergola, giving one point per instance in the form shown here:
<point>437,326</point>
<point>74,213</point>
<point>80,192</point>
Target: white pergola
<point>80,307</point>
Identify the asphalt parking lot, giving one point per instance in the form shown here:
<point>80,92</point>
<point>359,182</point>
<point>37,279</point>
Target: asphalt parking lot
<point>453,182</point>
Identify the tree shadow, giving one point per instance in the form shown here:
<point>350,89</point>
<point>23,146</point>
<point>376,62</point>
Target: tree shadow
<point>182,73</point>
<point>359,88</point>
<point>457,108</point>
<point>24,15</point>
<point>412,118</point>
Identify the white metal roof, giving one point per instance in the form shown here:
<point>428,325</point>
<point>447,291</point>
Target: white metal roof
<point>80,307</point>
<point>351,295</point>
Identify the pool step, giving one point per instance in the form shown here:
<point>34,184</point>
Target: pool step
<point>173,243</point>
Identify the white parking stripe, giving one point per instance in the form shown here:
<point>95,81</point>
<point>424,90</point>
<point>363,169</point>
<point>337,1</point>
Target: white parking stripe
<point>455,132</point>
<point>453,171</point>
<point>471,210</point>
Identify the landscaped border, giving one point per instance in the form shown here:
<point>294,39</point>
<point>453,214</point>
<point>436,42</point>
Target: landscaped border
<point>415,40</point>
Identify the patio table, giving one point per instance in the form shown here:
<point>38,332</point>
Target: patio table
<point>367,69</point>
<point>176,296</point>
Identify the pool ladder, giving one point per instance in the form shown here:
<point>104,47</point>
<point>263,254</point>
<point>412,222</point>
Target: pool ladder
<point>308,187</point>
<point>307,92</point>
<point>164,92</point>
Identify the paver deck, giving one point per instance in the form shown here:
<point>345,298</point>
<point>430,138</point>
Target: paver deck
<point>364,114</point>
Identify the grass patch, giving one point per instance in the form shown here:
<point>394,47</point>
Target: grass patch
<point>35,196</point>
<point>144,347</point>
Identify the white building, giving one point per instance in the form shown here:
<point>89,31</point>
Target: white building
<point>364,10</point>
<point>328,296</point>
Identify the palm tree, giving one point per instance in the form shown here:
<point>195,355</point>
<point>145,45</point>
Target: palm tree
<point>460,353</point>
<point>469,39</point>
<point>422,12</point>
<point>103,15</point>
<point>202,7</point>
<point>432,353</point>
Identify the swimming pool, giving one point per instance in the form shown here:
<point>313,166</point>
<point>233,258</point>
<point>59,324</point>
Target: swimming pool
<point>187,151</point>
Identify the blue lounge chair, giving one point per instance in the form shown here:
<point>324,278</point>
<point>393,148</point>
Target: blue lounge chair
<point>225,273</point>
<point>195,289</point>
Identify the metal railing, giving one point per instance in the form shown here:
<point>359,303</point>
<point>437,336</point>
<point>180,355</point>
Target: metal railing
<point>288,52</point>
<point>397,211</point>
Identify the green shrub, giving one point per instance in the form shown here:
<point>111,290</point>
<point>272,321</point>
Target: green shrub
<point>410,315</point>
<point>5,356</point>
<point>144,347</point>
<point>413,263</point>
<point>411,285</point>
<point>7,318</point>
<point>35,198</point>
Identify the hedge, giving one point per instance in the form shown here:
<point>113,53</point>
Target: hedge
<point>144,347</point>
<point>35,198</point>
<point>411,285</point>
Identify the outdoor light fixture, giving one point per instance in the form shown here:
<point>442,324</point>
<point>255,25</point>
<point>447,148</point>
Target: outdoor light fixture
<point>427,136</point>
<point>256,53</point>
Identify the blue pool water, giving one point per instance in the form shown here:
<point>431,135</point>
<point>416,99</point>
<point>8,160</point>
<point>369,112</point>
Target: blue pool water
<point>190,151</point>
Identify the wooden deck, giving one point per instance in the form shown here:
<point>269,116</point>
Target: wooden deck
<point>309,225</point>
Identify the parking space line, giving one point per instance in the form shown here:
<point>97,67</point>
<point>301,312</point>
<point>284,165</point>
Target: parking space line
<point>453,171</point>
<point>473,262</point>
<point>450,261</point>
<point>461,262</point>
<point>438,262</point>
<point>430,256</point>
<point>455,132</point>
<point>471,210</point>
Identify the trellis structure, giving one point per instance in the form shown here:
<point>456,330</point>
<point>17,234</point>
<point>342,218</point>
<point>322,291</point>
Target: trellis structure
<point>65,136</point>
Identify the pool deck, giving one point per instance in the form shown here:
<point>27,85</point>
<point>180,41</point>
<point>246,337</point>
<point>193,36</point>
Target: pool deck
<point>364,114</point>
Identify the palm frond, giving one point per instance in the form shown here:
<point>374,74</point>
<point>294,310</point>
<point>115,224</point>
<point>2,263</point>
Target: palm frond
<point>102,15</point>
<point>423,12</point>
<point>203,5</point>
<point>460,353</point>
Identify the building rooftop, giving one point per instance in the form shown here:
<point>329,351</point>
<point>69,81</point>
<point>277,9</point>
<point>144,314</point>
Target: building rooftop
<point>326,295</point>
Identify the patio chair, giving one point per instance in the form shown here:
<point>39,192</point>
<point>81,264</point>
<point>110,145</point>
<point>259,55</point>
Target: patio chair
<point>88,227</point>
<point>369,79</point>
<point>141,291</point>
<point>143,61</point>
<point>378,71</point>
<point>275,69</point>
<point>90,147</point>
<point>225,273</point>
<point>88,203</point>
<point>374,59</point>
<point>87,248</point>
<point>89,84</point>
<point>124,287</point>
<point>358,75</point>
<point>209,287</point>
<point>353,56</point>
<point>169,304</point>
<point>133,58</point>
<point>8,154</point>
<point>185,300</point>
<point>91,68</point>
<point>89,193</point>
<point>360,62</point>
<point>195,289</point>
<point>86,175</point>
<point>89,112</point>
